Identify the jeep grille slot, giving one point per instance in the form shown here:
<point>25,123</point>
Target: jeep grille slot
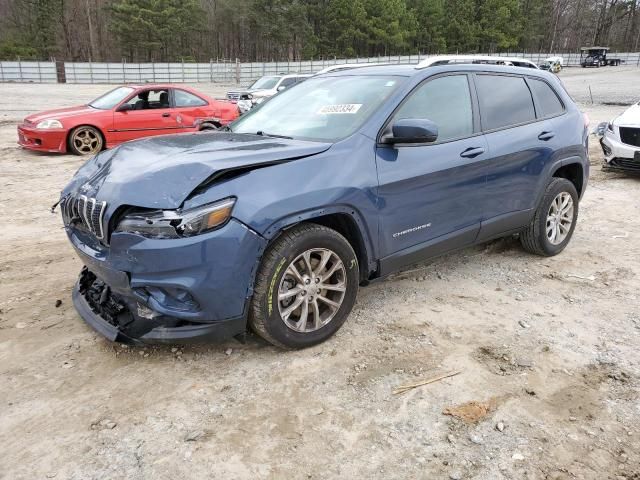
<point>86,211</point>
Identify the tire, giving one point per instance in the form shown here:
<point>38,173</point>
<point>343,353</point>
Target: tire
<point>274,277</point>
<point>85,140</point>
<point>209,126</point>
<point>536,238</point>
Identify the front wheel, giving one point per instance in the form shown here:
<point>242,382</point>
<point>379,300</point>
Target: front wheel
<point>85,140</point>
<point>554,221</point>
<point>305,288</point>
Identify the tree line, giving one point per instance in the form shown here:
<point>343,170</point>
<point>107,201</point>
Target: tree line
<point>267,30</point>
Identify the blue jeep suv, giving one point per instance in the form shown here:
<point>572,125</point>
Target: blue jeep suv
<point>274,222</point>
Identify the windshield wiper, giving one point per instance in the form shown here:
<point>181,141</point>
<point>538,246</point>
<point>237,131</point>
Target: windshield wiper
<point>264,134</point>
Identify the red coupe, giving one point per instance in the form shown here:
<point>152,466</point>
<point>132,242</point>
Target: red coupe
<point>125,113</point>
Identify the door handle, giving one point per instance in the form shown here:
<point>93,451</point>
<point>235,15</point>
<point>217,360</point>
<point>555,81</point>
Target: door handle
<point>546,136</point>
<point>472,152</point>
<point>166,114</point>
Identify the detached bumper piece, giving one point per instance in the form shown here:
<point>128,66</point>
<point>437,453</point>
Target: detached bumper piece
<point>117,319</point>
<point>627,165</point>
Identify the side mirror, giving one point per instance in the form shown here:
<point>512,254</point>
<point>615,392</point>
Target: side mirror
<point>125,107</point>
<point>281,87</point>
<point>413,130</point>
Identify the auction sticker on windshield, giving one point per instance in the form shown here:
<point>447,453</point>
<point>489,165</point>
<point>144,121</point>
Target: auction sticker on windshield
<point>341,108</point>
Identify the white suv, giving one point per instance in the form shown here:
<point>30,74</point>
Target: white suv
<point>621,141</point>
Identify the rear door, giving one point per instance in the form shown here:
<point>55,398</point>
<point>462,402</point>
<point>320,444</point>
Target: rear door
<point>150,114</point>
<point>521,145</point>
<point>432,194</point>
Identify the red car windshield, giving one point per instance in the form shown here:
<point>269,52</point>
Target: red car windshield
<point>112,98</point>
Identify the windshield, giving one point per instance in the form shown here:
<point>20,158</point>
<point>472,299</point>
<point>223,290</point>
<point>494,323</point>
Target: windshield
<point>112,98</point>
<point>321,109</point>
<point>265,83</point>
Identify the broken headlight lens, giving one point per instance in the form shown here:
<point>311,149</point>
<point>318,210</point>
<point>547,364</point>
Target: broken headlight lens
<point>178,223</point>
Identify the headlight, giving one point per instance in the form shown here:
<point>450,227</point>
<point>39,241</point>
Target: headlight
<point>244,105</point>
<point>44,124</point>
<point>178,223</point>
<point>610,127</point>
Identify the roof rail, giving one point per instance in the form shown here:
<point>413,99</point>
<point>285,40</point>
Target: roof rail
<point>475,59</point>
<point>349,66</point>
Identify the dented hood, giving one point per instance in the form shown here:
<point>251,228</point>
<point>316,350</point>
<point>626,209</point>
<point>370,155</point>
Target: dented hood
<point>161,172</point>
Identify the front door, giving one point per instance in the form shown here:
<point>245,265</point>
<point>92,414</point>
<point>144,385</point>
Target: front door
<point>432,195</point>
<point>150,114</point>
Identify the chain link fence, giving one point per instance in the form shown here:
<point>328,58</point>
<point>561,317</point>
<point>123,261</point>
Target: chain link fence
<point>220,71</point>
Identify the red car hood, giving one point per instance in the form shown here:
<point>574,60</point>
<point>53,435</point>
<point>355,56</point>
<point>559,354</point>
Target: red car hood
<point>61,113</point>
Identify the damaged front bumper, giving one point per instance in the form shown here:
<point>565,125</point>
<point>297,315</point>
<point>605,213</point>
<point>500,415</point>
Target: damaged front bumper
<point>187,290</point>
<point>116,322</point>
<point>619,156</point>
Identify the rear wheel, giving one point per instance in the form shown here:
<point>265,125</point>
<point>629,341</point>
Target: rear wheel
<point>85,140</point>
<point>210,126</point>
<point>305,288</point>
<point>554,220</point>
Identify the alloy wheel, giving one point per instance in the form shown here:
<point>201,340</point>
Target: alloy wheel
<point>312,290</point>
<point>559,218</point>
<point>87,141</point>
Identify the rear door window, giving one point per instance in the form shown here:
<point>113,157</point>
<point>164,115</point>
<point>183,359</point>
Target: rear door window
<point>547,102</point>
<point>446,101</point>
<point>505,101</point>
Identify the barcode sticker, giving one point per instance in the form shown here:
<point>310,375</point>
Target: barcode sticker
<point>341,108</point>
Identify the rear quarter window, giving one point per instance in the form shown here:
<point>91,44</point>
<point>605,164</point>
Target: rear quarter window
<point>505,101</point>
<point>547,100</point>
<point>186,99</point>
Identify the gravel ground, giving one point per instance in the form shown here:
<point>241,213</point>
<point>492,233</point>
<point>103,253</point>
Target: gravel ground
<point>547,350</point>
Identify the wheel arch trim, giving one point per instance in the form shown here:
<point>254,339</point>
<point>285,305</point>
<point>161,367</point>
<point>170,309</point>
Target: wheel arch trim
<point>309,215</point>
<point>553,169</point>
<point>573,160</point>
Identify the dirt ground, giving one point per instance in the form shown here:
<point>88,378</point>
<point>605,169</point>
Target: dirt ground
<point>547,349</point>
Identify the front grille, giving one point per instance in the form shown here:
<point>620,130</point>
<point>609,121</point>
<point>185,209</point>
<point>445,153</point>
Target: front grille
<point>626,163</point>
<point>630,136</point>
<point>85,211</point>
<point>233,96</point>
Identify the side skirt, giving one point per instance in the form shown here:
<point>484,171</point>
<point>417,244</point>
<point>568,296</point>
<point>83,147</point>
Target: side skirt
<point>504,224</point>
<point>497,227</point>
<point>433,248</point>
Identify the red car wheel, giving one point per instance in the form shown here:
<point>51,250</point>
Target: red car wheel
<point>85,140</point>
